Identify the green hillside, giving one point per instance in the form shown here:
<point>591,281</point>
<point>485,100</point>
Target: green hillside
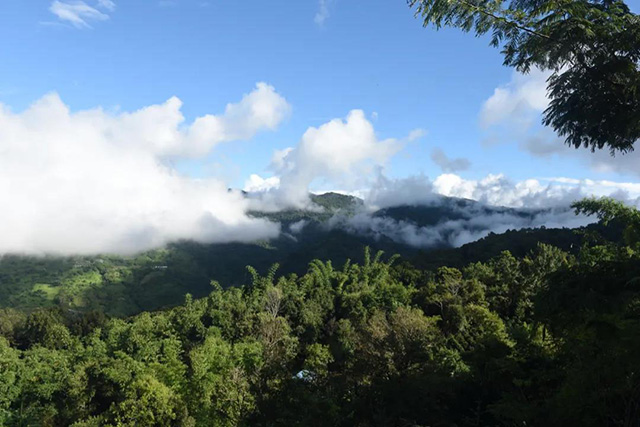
<point>127,285</point>
<point>549,339</point>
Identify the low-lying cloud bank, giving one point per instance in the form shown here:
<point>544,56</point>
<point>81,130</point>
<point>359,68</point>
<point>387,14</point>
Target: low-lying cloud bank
<point>101,181</point>
<point>97,181</point>
<point>496,190</point>
<point>536,204</point>
<point>494,204</point>
<point>474,225</point>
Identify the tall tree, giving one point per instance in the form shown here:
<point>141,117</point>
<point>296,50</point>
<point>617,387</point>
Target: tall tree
<point>592,48</point>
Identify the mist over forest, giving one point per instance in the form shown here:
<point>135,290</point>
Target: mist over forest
<point>320,213</point>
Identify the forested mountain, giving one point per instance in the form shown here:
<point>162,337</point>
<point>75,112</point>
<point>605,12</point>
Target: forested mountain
<point>503,331</point>
<point>276,307</point>
<point>548,339</point>
<point>121,285</point>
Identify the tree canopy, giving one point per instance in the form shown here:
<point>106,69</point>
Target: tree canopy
<point>546,339</point>
<point>592,48</point>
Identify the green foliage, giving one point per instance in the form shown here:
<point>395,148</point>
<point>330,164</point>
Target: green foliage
<point>608,210</point>
<point>592,47</point>
<point>327,205</point>
<point>124,286</point>
<point>544,339</point>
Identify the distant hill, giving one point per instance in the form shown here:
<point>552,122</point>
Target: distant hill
<point>450,209</point>
<point>126,285</point>
<point>328,204</point>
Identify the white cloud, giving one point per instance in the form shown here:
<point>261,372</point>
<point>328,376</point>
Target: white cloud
<point>347,154</point>
<point>256,183</point>
<point>542,202</point>
<point>413,190</point>
<point>262,109</point>
<point>107,4</point>
<point>343,152</point>
<point>513,113</point>
<point>94,181</point>
<point>448,164</point>
<point>279,160</point>
<point>416,134</point>
<point>323,12</point>
<point>602,161</point>
<point>628,191</point>
<point>475,223</point>
<point>98,181</point>
<point>495,190</point>
<point>524,97</point>
<point>160,129</point>
<point>80,14</point>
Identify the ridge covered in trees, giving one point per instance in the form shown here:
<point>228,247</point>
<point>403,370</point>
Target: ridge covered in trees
<point>126,285</point>
<point>533,327</point>
<point>542,340</point>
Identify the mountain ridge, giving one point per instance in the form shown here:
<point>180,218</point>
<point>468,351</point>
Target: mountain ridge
<point>125,285</point>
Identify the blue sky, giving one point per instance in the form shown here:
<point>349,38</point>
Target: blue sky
<point>123,123</point>
<point>376,58</point>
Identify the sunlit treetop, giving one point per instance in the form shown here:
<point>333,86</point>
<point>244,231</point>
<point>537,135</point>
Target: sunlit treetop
<point>592,48</point>
<point>607,209</point>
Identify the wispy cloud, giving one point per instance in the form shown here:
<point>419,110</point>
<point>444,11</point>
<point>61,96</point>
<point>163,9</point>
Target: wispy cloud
<point>448,164</point>
<point>80,14</point>
<point>473,222</point>
<point>546,203</point>
<point>107,4</point>
<point>416,134</point>
<point>323,12</point>
<point>513,113</point>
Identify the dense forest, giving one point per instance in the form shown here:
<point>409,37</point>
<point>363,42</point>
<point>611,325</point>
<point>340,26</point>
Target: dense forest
<point>549,338</point>
<point>329,327</point>
<point>122,285</point>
